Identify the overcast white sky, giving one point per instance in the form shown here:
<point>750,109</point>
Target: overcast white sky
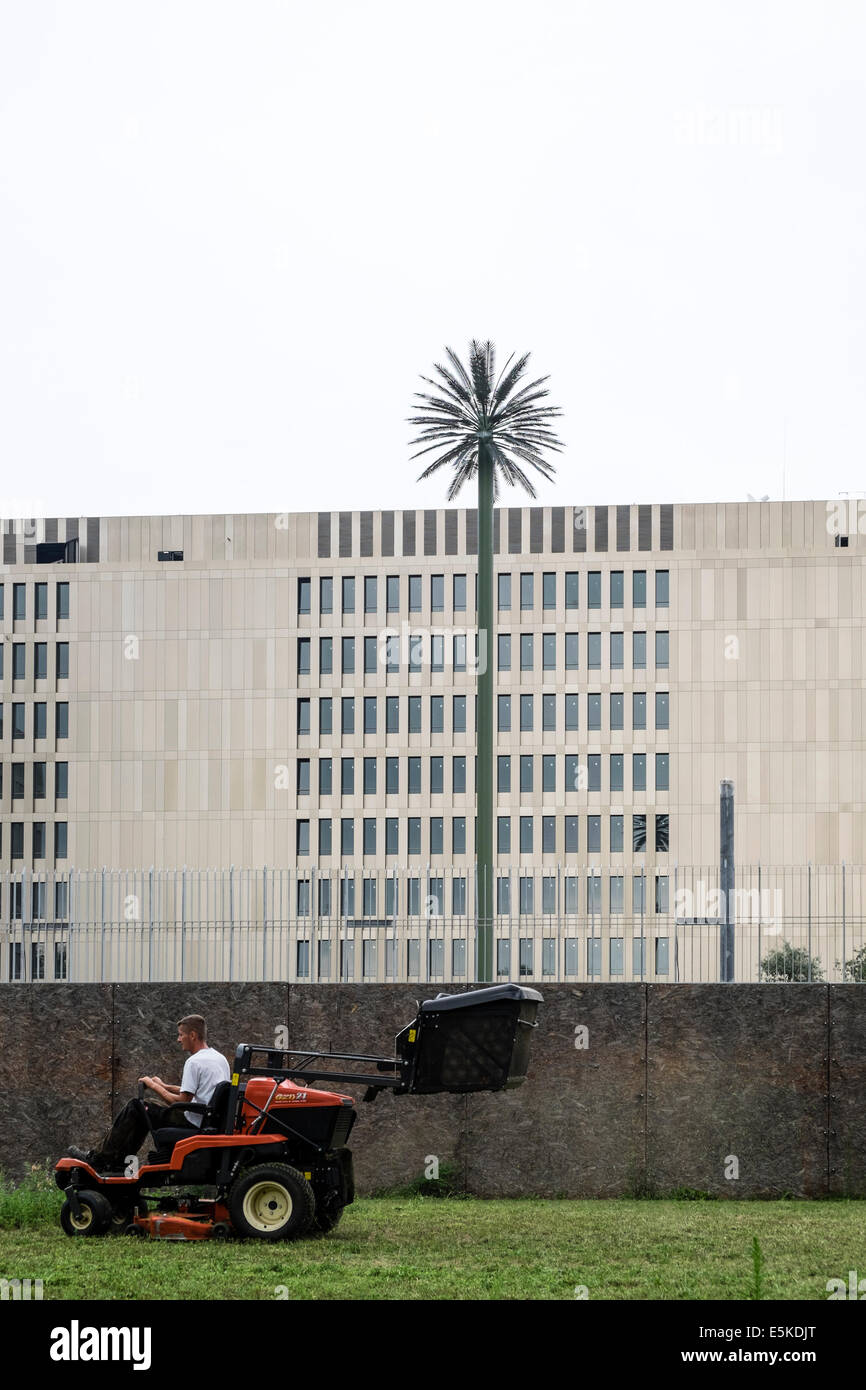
<point>232,237</point>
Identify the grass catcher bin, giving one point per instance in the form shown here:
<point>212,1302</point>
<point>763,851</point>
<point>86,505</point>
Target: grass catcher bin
<point>476,1041</point>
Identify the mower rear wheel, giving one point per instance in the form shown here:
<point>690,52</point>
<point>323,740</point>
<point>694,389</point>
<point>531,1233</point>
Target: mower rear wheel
<point>94,1218</point>
<point>122,1216</point>
<point>271,1201</point>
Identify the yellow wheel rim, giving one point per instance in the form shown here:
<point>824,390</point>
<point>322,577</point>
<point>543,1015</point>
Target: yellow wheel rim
<point>84,1221</point>
<point>267,1206</point>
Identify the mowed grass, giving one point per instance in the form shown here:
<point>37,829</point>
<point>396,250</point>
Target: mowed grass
<point>425,1248</point>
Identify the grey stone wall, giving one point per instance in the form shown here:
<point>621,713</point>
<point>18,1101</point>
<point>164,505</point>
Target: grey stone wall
<point>677,1085</point>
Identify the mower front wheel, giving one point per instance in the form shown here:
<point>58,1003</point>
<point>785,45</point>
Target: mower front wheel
<point>94,1216</point>
<point>271,1201</point>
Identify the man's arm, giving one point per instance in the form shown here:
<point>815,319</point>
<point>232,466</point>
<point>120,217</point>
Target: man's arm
<point>170,1094</point>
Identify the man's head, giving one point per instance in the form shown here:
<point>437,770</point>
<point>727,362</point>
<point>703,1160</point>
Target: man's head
<point>192,1033</point>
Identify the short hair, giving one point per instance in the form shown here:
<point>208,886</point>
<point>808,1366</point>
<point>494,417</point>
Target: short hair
<point>194,1023</point>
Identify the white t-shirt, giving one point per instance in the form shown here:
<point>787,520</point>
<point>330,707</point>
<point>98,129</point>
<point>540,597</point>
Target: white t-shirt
<point>202,1072</point>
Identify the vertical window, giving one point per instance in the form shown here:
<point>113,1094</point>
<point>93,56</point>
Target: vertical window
<point>413,826</point>
<point>616,710</point>
<point>548,772</point>
<point>392,776</point>
<point>662,834</point>
<point>348,593</point>
<point>414,714</point>
<point>302,837</point>
<point>503,834</point>
<point>526,772</point>
<point>638,709</point>
<point>548,651</point>
<point>348,648</point>
<point>503,773</point>
<point>326,594</point>
<point>616,588</point>
<point>414,593</point>
<point>437,775</point>
<point>458,834</point>
<point>504,595</point>
<point>638,650</point>
<point>392,593</point>
<point>526,834</point>
<point>638,833</point>
<point>18,719</point>
<point>616,650</point>
<point>40,720</point>
<point>40,780</point>
<point>593,768</point>
<point>662,650</point>
<point>458,651</point>
<point>303,776</point>
<point>392,835</point>
<point>460,593</point>
<point>571,713</point>
<point>638,775</point>
<point>325,776</point>
<point>548,590</point>
<point>616,772</point>
<point>392,653</point>
<point>617,906</point>
<point>503,651</point>
<point>347,776</point>
<point>593,834</point>
<point>347,837</point>
<point>304,595</point>
<point>41,661</point>
<point>593,711</point>
<point>527,591</point>
<point>63,600</point>
<point>19,602</point>
<point>662,709</point>
<point>370,655</point>
<point>526,715</point>
<point>18,781</point>
<point>348,714</point>
<point>41,597</point>
<point>414,776</point>
<point>325,836</point>
<point>572,772</point>
<point>594,589</point>
<point>369,714</point>
<point>326,656</point>
<point>437,714</point>
<point>458,714</point>
<point>503,703</point>
<point>638,589</point>
<point>61,839</point>
<point>572,589</point>
<point>662,772</point>
<point>303,656</point>
<point>548,834</point>
<point>437,651</point>
<point>662,588</point>
<point>662,893</point>
<point>616,832</point>
<point>437,593</point>
<point>458,773</point>
<point>548,712</point>
<point>416,650</point>
<point>572,661</point>
<point>19,652</point>
<point>369,843</point>
<point>326,716</point>
<point>392,714</point>
<point>571,835</point>
<point>593,650</point>
<point>39,839</point>
<point>371,593</point>
<point>527,659</point>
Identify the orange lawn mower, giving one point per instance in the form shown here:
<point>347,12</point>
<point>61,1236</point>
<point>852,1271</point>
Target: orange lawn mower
<point>273,1149</point>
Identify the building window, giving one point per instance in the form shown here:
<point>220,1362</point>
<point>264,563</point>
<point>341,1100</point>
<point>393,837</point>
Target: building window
<point>571,651</point>
<point>527,658</point>
<point>414,764</point>
<point>662,650</point>
<point>638,589</point>
<point>662,588</point>
<point>548,651</point>
<point>548,834</point>
<point>616,650</point>
<point>527,591</point>
<point>325,836</point>
<point>548,772</point>
<point>662,772</point>
<point>458,714</point>
<point>572,772</point>
<point>548,590</point>
<point>616,772</point>
<point>662,893</point>
<point>638,709</point>
<point>392,835</point>
<point>638,778</point>
<point>371,593</point>
<point>617,906</point>
<point>392,714</point>
<point>414,593</point>
<point>572,589</point>
<point>326,656</point>
<point>437,775</point>
<point>347,776</point>
<point>371,655</point>
<point>616,588</point>
<point>39,839</point>
<point>303,656</point>
<point>526,772</point>
<point>638,833</point>
<point>548,712</point>
<point>303,776</point>
<point>593,711</point>
<point>593,650</point>
<point>326,716</point>
<point>41,596</point>
<point>458,773</point>
<point>18,781</point>
<point>571,713</point>
<point>662,834</point>
<point>436,847</point>
<point>416,651</point>
<point>458,835</point>
<point>638,650</point>
<point>369,843</point>
<point>460,593</point>
<point>414,837</point>
<point>526,834</point>
<point>437,593</point>
<point>63,600</point>
<point>40,780</point>
<point>347,838</point>
<point>392,776</point>
<point>503,773</point>
<point>458,651</point>
<point>303,716</point>
<point>503,834</point>
<point>437,714</point>
<point>503,703</point>
<point>414,714</point>
<point>369,714</point>
<point>19,654</point>
<point>504,591</point>
<point>304,595</point>
<point>662,709</point>
<point>593,834</point>
<point>19,603</point>
<point>40,720</point>
<point>616,832</point>
<point>326,594</point>
<point>347,714</point>
<point>594,589</point>
<point>348,656</point>
<point>303,837</point>
<point>593,768</point>
<point>616,710</point>
<point>326,776</point>
<point>503,651</point>
<point>392,593</point>
<point>17,720</point>
<point>526,715</point>
<point>571,835</point>
<point>348,593</point>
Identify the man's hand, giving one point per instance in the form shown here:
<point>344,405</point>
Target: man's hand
<point>148,1080</point>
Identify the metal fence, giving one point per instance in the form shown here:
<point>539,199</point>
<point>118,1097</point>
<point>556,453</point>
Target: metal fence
<point>568,923</point>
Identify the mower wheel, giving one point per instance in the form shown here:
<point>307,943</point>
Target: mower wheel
<point>271,1202</point>
<point>122,1216</point>
<point>95,1217</point>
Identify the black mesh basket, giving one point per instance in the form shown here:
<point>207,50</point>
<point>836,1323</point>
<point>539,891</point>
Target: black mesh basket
<point>477,1041</point>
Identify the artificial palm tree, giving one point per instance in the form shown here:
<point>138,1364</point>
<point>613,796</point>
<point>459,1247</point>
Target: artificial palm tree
<point>483,426</point>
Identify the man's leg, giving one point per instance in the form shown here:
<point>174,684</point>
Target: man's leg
<point>126,1134</point>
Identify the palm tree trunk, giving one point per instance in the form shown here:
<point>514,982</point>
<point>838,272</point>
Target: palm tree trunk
<point>484,720</point>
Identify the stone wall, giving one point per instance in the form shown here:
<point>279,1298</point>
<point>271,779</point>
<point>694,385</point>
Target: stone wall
<point>677,1085</point>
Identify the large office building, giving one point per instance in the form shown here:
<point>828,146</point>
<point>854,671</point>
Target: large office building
<point>296,692</point>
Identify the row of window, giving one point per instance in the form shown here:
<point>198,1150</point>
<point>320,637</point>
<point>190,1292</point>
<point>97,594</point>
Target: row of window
<point>37,960</point>
<point>415,897</point>
<point>434,837</point>
<point>39,782</point>
<point>39,839</point>
<point>577,776</point>
<point>41,901</point>
<point>40,600</point>
<point>526,587</point>
<point>40,719</point>
<point>419,649</point>
<point>40,660</point>
<point>524,710</point>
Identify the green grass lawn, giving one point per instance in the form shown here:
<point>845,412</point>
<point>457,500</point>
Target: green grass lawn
<point>441,1248</point>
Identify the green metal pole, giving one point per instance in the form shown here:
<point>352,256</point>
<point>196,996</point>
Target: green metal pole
<point>484,730</point>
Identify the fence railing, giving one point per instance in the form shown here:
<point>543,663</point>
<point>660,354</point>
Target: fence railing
<point>563,923</point>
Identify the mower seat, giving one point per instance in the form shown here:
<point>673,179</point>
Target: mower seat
<point>213,1122</point>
